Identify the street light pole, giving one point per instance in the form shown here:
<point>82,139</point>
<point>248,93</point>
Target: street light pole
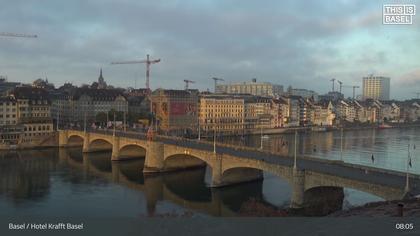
<point>84,123</point>
<point>113,133</point>
<point>107,121</point>
<point>58,117</point>
<point>261,139</point>
<point>341,144</point>
<point>407,179</point>
<point>199,129</point>
<point>295,156</point>
<point>125,121</point>
<point>214,137</point>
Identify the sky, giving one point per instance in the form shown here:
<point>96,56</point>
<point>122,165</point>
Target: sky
<point>302,44</point>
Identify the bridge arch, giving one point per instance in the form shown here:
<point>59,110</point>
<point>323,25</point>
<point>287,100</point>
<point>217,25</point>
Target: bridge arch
<point>75,140</point>
<point>179,161</point>
<point>241,175</point>
<point>99,144</point>
<point>132,151</point>
<point>283,172</point>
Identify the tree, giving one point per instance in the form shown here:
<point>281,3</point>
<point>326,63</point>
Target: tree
<point>119,115</point>
<point>101,117</point>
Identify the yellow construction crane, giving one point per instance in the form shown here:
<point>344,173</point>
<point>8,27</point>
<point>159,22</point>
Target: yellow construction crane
<point>5,34</point>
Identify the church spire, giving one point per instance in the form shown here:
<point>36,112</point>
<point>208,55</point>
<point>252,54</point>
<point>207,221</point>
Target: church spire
<point>100,76</point>
<point>101,81</point>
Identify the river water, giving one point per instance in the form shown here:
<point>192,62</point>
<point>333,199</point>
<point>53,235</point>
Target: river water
<point>389,147</point>
<point>67,183</point>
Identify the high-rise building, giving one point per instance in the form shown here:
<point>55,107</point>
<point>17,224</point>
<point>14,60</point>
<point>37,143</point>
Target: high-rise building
<point>376,87</point>
<point>255,88</point>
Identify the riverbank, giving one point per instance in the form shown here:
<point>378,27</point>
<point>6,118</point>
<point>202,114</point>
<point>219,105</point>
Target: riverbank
<point>315,129</point>
<point>410,208</point>
<point>44,141</point>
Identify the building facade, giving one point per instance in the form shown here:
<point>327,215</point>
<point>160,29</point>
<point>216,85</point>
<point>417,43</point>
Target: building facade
<point>221,113</point>
<point>238,114</point>
<point>25,117</point>
<point>255,88</point>
<point>73,107</point>
<point>175,111</point>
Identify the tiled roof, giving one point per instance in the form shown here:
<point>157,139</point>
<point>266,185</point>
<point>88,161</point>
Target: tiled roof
<point>31,93</point>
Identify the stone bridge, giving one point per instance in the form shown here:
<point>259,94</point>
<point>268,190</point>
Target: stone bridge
<point>230,165</point>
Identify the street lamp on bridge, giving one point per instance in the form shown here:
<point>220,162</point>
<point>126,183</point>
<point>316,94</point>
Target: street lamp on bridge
<point>407,178</point>
<point>214,137</point>
<point>295,155</point>
<point>84,123</point>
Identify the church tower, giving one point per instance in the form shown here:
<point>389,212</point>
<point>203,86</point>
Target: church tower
<point>101,82</point>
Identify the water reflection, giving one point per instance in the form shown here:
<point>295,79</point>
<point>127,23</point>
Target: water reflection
<point>24,177</point>
<point>64,181</point>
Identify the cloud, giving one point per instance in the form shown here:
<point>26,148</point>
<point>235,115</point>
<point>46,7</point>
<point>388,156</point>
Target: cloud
<point>411,78</point>
<point>288,42</point>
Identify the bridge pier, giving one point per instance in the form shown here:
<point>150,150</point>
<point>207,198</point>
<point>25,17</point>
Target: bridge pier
<point>154,161</point>
<point>115,149</point>
<point>216,172</point>
<point>63,138</point>
<point>298,189</point>
<point>86,142</point>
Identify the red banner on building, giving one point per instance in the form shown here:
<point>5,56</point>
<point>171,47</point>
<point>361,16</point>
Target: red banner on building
<point>181,108</point>
<point>178,108</point>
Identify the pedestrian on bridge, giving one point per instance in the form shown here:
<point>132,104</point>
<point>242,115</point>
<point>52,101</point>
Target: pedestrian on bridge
<point>373,158</point>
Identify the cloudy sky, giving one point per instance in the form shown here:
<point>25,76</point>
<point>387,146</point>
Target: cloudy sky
<point>299,43</point>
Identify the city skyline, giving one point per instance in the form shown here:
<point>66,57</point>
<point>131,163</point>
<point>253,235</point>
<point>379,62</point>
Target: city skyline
<point>287,43</point>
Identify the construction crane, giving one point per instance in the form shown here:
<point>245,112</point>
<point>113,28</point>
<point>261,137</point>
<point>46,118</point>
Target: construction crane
<point>215,82</point>
<point>187,82</point>
<point>333,81</point>
<point>418,95</point>
<point>341,84</point>
<point>5,34</point>
<point>354,90</point>
<point>148,62</point>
